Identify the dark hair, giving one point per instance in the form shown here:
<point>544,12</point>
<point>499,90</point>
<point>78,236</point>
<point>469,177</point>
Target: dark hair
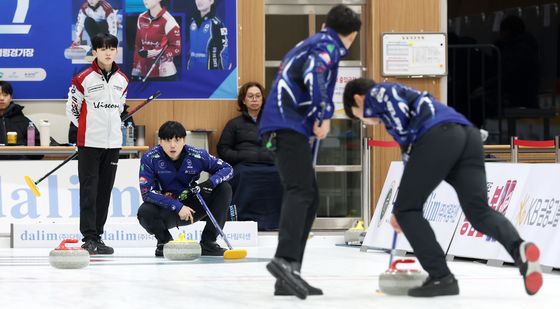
<point>343,20</point>
<point>243,93</point>
<point>358,86</point>
<point>6,88</point>
<point>171,129</point>
<point>104,40</point>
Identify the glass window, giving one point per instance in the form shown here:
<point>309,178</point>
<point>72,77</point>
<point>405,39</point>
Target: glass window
<point>339,194</point>
<point>283,32</point>
<point>270,75</point>
<point>342,146</point>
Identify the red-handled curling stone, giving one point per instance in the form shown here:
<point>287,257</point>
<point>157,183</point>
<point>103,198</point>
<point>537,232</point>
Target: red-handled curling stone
<point>68,257</point>
<point>395,281</point>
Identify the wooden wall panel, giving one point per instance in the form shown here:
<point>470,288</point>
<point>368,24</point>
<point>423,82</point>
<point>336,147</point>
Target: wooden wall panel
<point>212,115</point>
<point>152,116</point>
<point>251,41</point>
<point>395,16</point>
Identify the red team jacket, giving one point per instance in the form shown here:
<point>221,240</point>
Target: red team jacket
<point>152,36</point>
<point>95,104</point>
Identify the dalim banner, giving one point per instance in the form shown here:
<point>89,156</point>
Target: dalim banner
<point>441,209</point>
<point>125,234</point>
<point>186,49</point>
<point>60,193</point>
<point>528,195</point>
<point>505,185</point>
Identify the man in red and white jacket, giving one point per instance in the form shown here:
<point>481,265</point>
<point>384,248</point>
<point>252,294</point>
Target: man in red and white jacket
<point>158,40</point>
<point>95,102</point>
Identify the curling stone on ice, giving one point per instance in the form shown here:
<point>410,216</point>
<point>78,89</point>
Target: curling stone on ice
<point>182,249</point>
<point>352,235</point>
<point>68,257</point>
<point>395,281</point>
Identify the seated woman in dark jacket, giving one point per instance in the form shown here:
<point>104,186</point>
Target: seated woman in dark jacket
<point>257,191</point>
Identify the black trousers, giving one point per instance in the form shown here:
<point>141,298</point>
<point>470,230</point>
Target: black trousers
<point>93,27</point>
<point>157,220</point>
<point>301,196</point>
<point>453,153</point>
<point>96,170</point>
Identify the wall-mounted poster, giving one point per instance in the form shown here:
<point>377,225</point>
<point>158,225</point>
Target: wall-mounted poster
<point>187,49</point>
<point>414,54</point>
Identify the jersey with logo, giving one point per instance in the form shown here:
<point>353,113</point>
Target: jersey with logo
<point>95,104</point>
<point>208,44</point>
<point>161,182</point>
<point>102,11</point>
<point>407,113</point>
<point>303,89</point>
<point>156,36</point>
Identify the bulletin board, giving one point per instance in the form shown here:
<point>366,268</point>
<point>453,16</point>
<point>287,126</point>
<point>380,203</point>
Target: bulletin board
<point>419,54</point>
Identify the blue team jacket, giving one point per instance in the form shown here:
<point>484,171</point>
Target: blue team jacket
<point>303,89</point>
<point>208,44</point>
<point>161,183</point>
<point>407,113</point>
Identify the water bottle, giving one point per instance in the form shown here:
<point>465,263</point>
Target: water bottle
<point>130,134</point>
<point>45,132</point>
<point>30,134</point>
<point>123,130</point>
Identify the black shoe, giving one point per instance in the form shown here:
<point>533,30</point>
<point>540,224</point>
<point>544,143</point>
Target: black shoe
<point>211,249</point>
<point>280,289</point>
<point>159,250</point>
<point>102,248</point>
<point>436,287</point>
<point>91,246</point>
<point>529,267</point>
<point>283,270</point>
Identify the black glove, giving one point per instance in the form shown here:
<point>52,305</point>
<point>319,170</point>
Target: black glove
<point>143,53</point>
<point>206,187</point>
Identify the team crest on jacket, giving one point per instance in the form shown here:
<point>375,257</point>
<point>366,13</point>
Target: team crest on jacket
<point>326,57</point>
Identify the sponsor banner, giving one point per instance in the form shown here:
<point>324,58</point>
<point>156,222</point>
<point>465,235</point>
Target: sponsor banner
<point>536,213</point>
<point>505,183</point>
<point>441,209</point>
<point>60,193</point>
<point>125,234</point>
<point>43,44</point>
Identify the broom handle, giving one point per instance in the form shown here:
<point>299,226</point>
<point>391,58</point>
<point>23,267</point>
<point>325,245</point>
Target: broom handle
<point>72,157</point>
<point>127,116</point>
<point>196,190</point>
<point>393,245</point>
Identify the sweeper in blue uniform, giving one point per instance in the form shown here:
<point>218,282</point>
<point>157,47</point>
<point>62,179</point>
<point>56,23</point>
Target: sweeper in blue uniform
<point>437,144</point>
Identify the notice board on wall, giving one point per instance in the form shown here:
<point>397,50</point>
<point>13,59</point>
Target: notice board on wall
<point>414,54</point>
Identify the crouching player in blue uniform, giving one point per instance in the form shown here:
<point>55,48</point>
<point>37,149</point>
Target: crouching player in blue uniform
<point>299,107</point>
<point>438,144</point>
<point>167,172</point>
